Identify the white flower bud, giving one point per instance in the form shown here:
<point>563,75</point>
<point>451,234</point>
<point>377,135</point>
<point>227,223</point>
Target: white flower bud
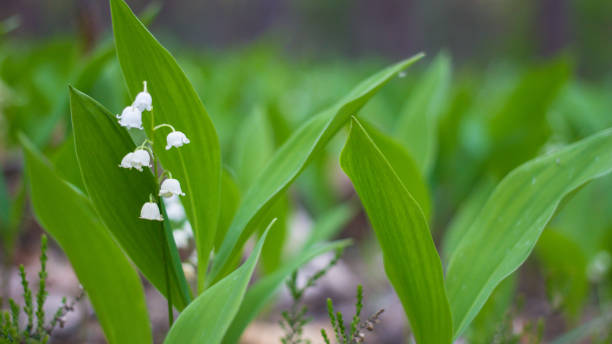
<point>150,211</point>
<point>176,139</point>
<point>143,100</point>
<point>170,187</point>
<point>131,117</point>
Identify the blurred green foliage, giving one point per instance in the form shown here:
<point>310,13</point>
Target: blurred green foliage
<point>493,119</point>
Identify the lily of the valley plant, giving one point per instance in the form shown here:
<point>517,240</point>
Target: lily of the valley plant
<point>131,117</point>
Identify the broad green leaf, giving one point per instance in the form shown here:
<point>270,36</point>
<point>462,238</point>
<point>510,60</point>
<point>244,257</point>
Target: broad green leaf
<point>273,250</point>
<point>208,317</point>
<point>289,160</point>
<point>404,165</point>
<point>196,165</point>
<point>112,284</point>
<point>464,217</point>
<point>230,200</point>
<point>67,164</point>
<point>510,223</point>
<point>253,148</point>
<point>410,258</point>
<point>117,194</point>
<point>263,290</point>
<point>519,128</point>
<point>418,125</point>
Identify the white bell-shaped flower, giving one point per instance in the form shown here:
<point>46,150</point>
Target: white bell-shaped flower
<point>127,160</point>
<point>137,159</point>
<point>176,139</point>
<point>140,159</point>
<point>131,117</point>
<point>170,187</point>
<point>150,211</point>
<point>143,100</point>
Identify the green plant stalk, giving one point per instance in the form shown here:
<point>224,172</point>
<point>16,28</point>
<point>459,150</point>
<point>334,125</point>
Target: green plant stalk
<point>164,240</point>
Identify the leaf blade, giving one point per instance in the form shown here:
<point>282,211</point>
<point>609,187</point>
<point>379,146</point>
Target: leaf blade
<point>529,195</point>
<point>410,258</point>
<point>208,317</point>
<point>117,194</point>
<point>290,159</point>
<point>99,263</point>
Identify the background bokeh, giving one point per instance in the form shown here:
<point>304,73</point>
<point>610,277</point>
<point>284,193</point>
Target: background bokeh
<point>474,31</point>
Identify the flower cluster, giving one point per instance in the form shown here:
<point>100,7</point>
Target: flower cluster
<point>131,117</point>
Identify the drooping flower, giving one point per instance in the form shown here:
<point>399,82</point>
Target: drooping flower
<point>131,117</point>
<point>141,159</point>
<point>170,187</point>
<point>126,162</point>
<point>137,159</point>
<point>150,211</point>
<point>143,100</point>
<point>176,139</point>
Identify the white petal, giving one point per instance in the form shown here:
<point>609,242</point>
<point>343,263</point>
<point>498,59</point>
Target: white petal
<point>126,162</point>
<point>141,159</point>
<point>150,211</point>
<point>170,187</point>
<point>131,117</point>
<point>143,101</point>
<point>176,139</point>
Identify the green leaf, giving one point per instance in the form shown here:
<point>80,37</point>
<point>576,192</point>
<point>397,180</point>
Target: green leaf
<point>253,147</point>
<point>112,284</point>
<point>289,160</point>
<point>67,164</point>
<point>263,290</point>
<point>410,258</point>
<point>117,194</point>
<point>465,216</point>
<point>510,223</point>
<point>519,128</point>
<point>196,165</point>
<point>208,317</point>
<point>230,200</point>
<point>273,251</point>
<point>404,165</point>
<point>417,127</point>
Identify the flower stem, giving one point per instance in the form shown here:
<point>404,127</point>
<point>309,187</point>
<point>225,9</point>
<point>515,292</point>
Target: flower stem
<point>164,125</point>
<point>164,240</point>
